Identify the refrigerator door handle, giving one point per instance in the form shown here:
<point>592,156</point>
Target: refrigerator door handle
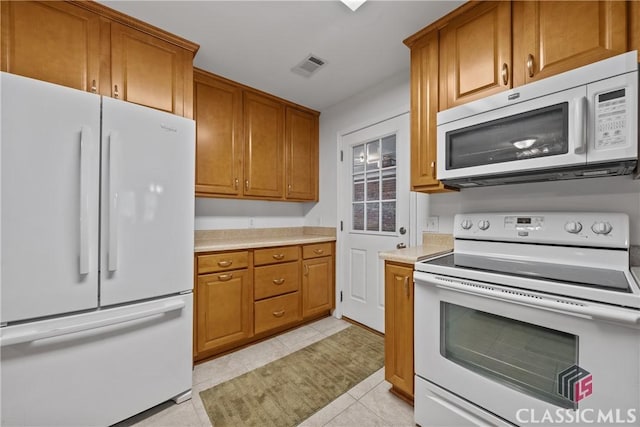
<point>114,156</point>
<point>35,335</point>
<point>85,158</point>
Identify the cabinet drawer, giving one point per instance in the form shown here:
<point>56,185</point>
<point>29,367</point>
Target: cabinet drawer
<point>274,255</point>
<point>277,311</point>
<point>222,261</point>
<point>317,250</point>
<point>272,280</point>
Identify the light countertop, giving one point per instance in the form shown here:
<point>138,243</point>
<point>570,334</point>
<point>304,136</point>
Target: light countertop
<point>432,245</point>
<point>225,240</point>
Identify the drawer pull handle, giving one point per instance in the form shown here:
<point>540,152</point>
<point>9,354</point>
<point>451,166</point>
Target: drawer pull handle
<point>318,251</point>
<point>225,277</point>
<point>225,263</point>
<point>278,281</point>
<point>278,256</point>
<point>278,313</point>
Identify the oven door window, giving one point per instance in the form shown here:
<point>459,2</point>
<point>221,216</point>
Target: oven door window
<point>538,133</point>
<point>520,355</point>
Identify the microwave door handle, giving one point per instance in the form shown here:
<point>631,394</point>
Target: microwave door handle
<point>580,125</point>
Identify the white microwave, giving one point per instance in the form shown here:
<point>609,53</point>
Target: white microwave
<point>579,124</point>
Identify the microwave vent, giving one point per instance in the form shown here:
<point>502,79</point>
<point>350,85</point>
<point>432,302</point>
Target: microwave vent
<point>309,66</point>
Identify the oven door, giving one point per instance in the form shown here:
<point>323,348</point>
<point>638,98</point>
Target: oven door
<point>544,132</point>
<point>521,356</point>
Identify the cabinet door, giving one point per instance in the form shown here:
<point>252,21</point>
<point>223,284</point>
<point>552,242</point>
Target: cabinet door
<point>475,54</point>
<point>263,146</point>
<point>218,115</point>
<point>52,41</point>
<point>224,309</point>
<point>301,155</point>
<point>551,37</point>
<point>398,351</point>
<point>149,71</point>
<point>424,106</point>
<point>317,286</point>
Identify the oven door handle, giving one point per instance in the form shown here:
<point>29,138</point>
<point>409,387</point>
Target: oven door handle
<point>616,315</point>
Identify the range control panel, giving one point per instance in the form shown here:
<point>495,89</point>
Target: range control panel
<point>561,228</point>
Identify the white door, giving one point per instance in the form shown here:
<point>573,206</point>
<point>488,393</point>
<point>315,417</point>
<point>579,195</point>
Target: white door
<point>147,203</point>
<point>374,213</point>
<point>49,191</point>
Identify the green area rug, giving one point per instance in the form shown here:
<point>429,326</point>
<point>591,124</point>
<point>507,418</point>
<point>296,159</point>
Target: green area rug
<point>287,391</point>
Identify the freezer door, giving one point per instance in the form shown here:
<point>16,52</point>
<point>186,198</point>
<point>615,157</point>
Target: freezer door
<point>98,368</point>
<point>49,178</point>
<point>147,203</point>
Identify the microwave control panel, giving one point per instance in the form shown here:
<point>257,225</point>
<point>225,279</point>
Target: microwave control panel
<point>611,119</point>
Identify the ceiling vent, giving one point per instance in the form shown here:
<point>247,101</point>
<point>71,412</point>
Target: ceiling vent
<point>309,66</point>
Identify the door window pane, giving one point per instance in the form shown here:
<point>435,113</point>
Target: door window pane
<point>358,158</point>
<point>389,184</point>
<point>373,216</point>
<point>358,188</point>
<point>389,151</point>
<point>389,216</point>
<point>373,155</point>
<point>538,133</point>
<point>358,216</point>
<point>373,186</point>
<point>523,356</point>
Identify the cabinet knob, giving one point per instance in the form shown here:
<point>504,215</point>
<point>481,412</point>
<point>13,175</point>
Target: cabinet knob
<point>505,74</point>
<point>246,184</point>
<point>116,94</point>
<point>236,183</point>
<point>530,65</point>
<point>94,89</point>
<point>433,169</point>
<point>306,269</point>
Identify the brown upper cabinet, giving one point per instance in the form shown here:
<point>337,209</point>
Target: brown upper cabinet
<point>263,146</point>
<point>87,46</point>
<point>253,145</point>
<point>301,154</point>
<point>218,114</point>
<point>52,41</point>
<point>485,47</point>
<point>475,54</point>
<point>550,37</point>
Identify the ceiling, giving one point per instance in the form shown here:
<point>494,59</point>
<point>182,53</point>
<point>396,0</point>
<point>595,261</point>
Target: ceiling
<point>258,42</point>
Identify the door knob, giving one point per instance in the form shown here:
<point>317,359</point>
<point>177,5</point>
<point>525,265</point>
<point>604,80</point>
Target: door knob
<point>403,230</point>
<point>401,246</point>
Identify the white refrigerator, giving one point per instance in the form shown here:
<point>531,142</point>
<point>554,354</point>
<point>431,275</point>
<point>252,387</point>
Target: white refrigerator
<point>96,260</point>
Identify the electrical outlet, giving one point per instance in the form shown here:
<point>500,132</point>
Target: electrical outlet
<point>432,224</point>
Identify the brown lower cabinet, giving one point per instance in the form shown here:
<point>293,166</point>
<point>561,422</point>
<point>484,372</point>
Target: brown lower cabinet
<point>398,324</point>
<point>247,295</point>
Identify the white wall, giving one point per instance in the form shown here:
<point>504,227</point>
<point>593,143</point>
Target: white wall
<point>217,214</point>
<point>391,96</point>
<point>616,194</point>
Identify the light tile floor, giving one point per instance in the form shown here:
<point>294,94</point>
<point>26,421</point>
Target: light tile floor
<point>367,404</point>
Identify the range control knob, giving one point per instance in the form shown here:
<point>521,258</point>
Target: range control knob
<point>601,227</point>
<point>483,224</point>
<point>466,224</point>
<point>573,227</point>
